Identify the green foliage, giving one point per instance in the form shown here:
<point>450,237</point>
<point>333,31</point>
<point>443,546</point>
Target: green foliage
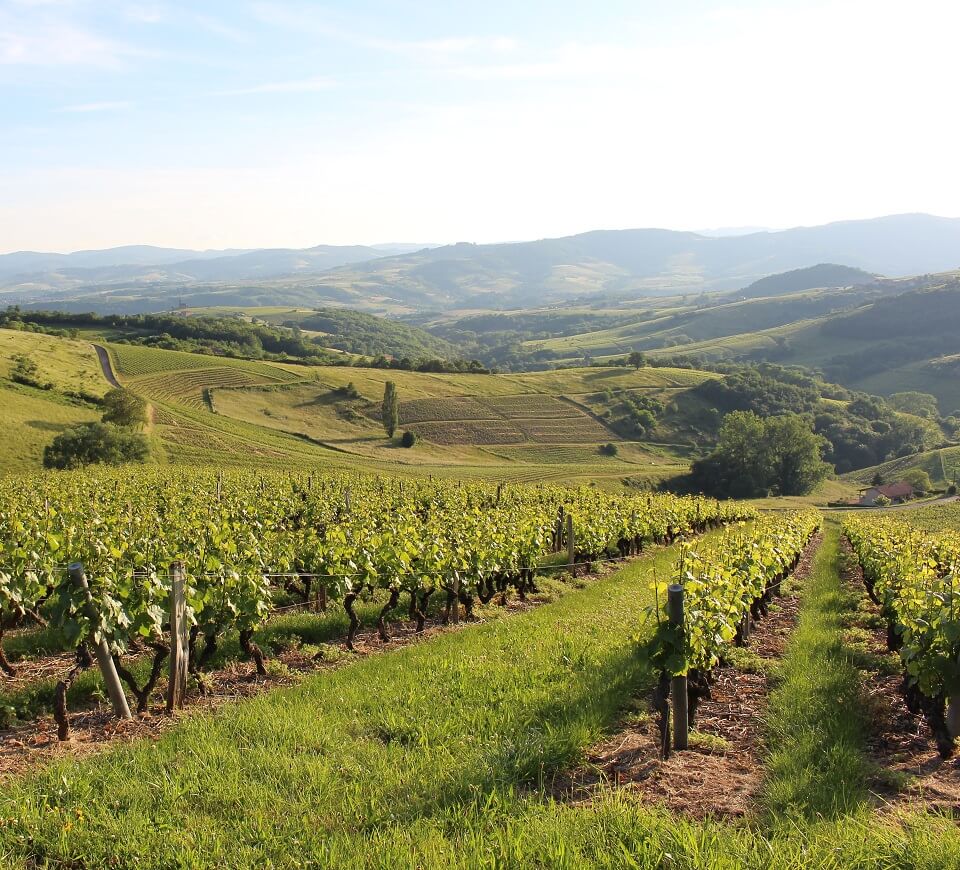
<point>347,391</point>
<point>390,409</point>
<point>95,443</point>
<point>124,408</point>
<point>918,479</point>
<point>912,402</point>
<point>913,572</point>
<point>636,359</point>
<point>720,581</point>
<point>26,371</point>
<point>757,456</point>
<point>609,449</point>
<point>361,333</point>
<point>218,336</point>
<point>409,439</point>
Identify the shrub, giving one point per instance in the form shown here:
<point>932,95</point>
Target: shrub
<point>92,443</point>
<point>25,371</point>
<point>123,408</point>
<point>409,439</point>
<point>609,449</point>
<point>881,501</point>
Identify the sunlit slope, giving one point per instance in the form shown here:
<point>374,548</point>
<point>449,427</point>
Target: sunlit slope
<point>31,417</point>
<point>525,426</point>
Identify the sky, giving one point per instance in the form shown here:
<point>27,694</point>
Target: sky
<point>289,123</point>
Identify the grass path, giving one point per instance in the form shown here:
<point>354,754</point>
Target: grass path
<point>816,717</point>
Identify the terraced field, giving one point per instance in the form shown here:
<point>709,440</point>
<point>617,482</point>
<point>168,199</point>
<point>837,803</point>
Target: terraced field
<point>187,387</point>
<point>431,410</point>
<point>469,432</point>
<point>518,419</point>
<point>519,407</point>
<point>134,361</point>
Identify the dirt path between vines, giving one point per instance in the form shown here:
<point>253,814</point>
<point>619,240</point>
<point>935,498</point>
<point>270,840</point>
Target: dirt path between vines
<point>910,774</point>
<point>721,773</point>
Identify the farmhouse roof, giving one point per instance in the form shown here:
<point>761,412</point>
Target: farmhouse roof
<point>896,490</point>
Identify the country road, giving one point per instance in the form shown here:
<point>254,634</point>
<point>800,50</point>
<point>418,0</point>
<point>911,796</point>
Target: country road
<point>106,366</point>
<point>908,506</point>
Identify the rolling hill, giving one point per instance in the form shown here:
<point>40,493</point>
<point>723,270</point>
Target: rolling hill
<point>627,263</point>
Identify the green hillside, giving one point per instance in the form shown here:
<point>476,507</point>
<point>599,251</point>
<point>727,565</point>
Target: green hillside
<point>797,280</point>
<point>537,425</point>
<point>32,416</point>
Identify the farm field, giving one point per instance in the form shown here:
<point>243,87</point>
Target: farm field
<point>217,409</point>
<point>468,768</point>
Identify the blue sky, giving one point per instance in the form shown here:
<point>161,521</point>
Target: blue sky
<point>216,124</point>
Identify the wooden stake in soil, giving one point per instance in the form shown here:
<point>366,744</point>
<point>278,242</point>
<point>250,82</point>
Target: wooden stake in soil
<point>571,542</point>
<point>104,658</point>
<point>179,640</point>
<point>678,685</point>
<point>953,716</point>
<point>456,599</point>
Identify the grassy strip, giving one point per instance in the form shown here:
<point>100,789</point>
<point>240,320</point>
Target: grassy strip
<point>30,700</point>
<point>396,739</point>
<point>815,717</point>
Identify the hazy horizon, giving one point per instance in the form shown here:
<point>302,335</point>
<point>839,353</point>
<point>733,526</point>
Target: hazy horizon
<point>290,124</point>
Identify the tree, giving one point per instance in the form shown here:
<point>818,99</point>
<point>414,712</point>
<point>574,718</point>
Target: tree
<point>92,443</point>
<point>390,410</point>
<point>756,456</point>
<point>877,480</point>
<point>409,439</point>
<point>123,408</point>
<point>918,479</point>
<point>794,455</point>
<point>912,402</point>
<point>636,359</point>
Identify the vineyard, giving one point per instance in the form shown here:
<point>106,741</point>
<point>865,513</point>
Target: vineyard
<point>459,745</point>
<point>911,574</point>
<point>718,591</point>
<point>248,542</point>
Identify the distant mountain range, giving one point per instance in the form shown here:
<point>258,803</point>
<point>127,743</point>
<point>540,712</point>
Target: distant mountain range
<point>622,263</point>
<point>147,263</point>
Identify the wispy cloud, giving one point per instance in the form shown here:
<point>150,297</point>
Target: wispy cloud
<point>309,19</point>
<point>144,13</point>
<point>297,86</point>
<point>44,40</point>
<point>106,106</point>
<point>219,28</point>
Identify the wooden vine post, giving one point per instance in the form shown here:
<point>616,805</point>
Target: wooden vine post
<point>456,598</point>
<point>953,714</point>
<point>320,600</point>
<point>179,639</point>
<point>678,685</point>
<point>571,542</point>
<point>111,680</point>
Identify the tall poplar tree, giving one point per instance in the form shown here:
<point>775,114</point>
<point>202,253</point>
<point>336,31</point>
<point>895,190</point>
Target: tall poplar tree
<point>390,411</point>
